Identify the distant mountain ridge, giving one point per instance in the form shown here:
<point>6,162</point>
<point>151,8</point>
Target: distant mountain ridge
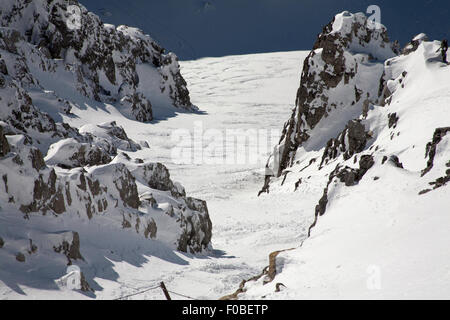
<point>200,28</point>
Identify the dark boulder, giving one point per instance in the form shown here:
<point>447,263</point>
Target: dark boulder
<point>4,145</point>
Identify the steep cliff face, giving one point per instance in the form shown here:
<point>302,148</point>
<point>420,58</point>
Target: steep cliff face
<point>340,77</point>
<point>73,178</point>
<point>383,168</point>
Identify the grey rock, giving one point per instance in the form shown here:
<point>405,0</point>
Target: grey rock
<point>395,161</point>
<point>430,152</point>
<point>413,45</point>
<point>127,188</point>
<point>4,145</point>
<point>3,68</point>
<point>393,120</point>
<point>71,249</point>
<point>20,257</point>
<point>312,102</point>
<point>357,137</point>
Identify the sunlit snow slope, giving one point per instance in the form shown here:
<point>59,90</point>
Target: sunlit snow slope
<point>236,92</point>
<point>388,235</point>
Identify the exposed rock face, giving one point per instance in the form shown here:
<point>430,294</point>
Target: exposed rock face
<point>394,160</point>
<point>105,63</point>
<point>197,229</point>
<point>51,169</point>
<point>69,153</point>
<point>21,116</point>
<point>20,257</point>
<point>351,176</point>
<point>157,176</point>
<point>4,145</point>
<point>110,137</point>
<point>119,176</point>
<point>436,159</point>
<point>189,214</point>
<point>69,245</point>
<point>351,141</point>
<point>333,101</point>
<point>431,147</point>
<point>336,95</point>
<point>73,178</point>
<point>107,189</point>
<point>349,47</point>
<point>414,44</point>
<point>140,107</point>
<point>393,119</point>
<point>371,159</point>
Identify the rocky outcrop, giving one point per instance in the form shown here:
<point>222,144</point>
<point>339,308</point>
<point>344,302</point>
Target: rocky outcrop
<point>197,229</point>
<point>188,214</point>
<point>110,137</point>
<point>139,106</point>
<point>351,141</point>
<point>414,43</point>
<point>106,63</point>
<point>157,176</point>
<point>348,48</point>
<point>443,178</point>
<point>4,145</point>
<point>69,153</point>
<point>431,148</point>
<point>19,116</point>
<point>393,120</point>
<point>351,176</point>
<point>34,186</point>
<point>334,115</point>
<point>69,245</point>
<point>81,174</point>
<point>367,165</point>
<point>20,257</point>
<point>57,181</point>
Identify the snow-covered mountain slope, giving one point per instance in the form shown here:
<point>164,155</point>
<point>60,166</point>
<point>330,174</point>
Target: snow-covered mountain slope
<point>236,93</point>
<point>66,190</point>
<point>340,77</point>
<point>202,28</point>
<point>120,66</point>
<point>380,227</point>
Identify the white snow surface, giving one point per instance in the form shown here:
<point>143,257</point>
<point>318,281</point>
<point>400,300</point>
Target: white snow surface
<point>378,239</point>
<point>236,92</point>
